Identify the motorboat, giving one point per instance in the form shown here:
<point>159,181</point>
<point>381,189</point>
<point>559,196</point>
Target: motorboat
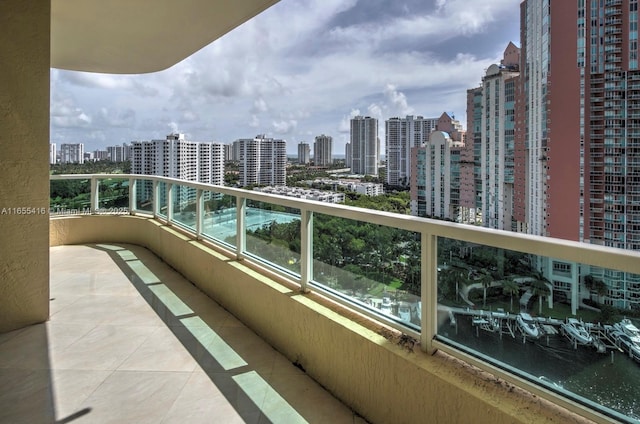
<point>527,325</point>
<point>624,342</point>
<point>486,322</point>
<point>576,331</point>
<point>627,327</point>
<point>404,311</point>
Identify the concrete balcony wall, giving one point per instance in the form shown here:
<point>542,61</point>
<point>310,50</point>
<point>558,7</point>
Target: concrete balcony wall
<point>24,143</point>
<point>360,361</point>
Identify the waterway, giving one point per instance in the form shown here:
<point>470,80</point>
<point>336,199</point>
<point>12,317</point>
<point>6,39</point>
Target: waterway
<point>613,382</point>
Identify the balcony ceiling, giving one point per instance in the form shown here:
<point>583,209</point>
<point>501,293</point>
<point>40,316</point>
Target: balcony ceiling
<point>140,36</point>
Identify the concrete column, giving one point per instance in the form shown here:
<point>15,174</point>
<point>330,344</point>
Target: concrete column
<point>24,168</point>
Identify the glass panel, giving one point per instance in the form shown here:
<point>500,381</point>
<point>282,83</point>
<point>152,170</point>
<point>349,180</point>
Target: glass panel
<point>376,266</point>
<point>558,323</point>
<point>273,234</point>
<point>163,189</point>
<point>184,206</point>
<point>70,197</point>
<point>220,217</point>
<point>144,195</point>
<point>113,196</point>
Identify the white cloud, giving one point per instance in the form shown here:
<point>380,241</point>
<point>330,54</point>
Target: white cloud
<point>284,127</point>
<point>295,70</point>
<point>259,105</point>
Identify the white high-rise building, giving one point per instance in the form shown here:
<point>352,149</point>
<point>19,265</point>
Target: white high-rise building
<point>323,151</point>
<point>401,135</point>
<point>435,179</point>
<point>304,153</point>
<point>118,153</point>
<point>263,161</point>
<point>178,158</point>
<point>365,145</point>
<point>497,144</point>
<point>72,153</point>
<point>52,153</point>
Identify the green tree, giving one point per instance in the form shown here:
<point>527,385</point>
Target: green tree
<point>540,288</point>
<point>486,280</point>
<point>510,287</point>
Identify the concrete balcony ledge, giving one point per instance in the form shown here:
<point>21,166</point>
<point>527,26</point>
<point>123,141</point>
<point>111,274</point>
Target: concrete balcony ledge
<point>370,367</point>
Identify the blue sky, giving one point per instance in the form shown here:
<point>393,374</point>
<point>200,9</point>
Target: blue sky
<point>300,69</point>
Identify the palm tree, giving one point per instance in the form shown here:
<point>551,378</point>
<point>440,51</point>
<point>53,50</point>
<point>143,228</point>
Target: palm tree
<point>485,280</point>
<point>510,287</point>
<point>540,288</point>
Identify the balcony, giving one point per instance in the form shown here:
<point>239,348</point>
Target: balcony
<point>130,340</point>
<point>320,303</point>
<point>364,360</point>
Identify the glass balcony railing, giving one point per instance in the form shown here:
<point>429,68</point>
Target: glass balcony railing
<point>542,313</point>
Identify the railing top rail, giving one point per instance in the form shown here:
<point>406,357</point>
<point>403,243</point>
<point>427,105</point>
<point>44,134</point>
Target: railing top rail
<point>591,254</point>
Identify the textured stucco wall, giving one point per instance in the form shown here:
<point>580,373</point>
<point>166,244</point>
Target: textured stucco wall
<point>24,160</point>
<point>359,361</point>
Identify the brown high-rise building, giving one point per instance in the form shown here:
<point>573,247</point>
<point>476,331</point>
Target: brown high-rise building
<point>577,138</point>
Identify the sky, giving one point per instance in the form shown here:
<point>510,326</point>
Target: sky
<point>299,69</point>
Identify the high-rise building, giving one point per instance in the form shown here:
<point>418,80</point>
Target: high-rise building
<point>72,153</point>
<point>228,152</point>
<point>100,155</point>
<point>347,155</point>
<point>365,145</point>
<point>560,142</point>
<point>118,153</point>
<point>499,87</point>
<point>435,177</point>
<point>52,153</point>
<point>178,158</point>
<point>263,161</point>
<point>401,135</point>
<point>470,165</point>
<point>304,153</point>
<point>323,151</point>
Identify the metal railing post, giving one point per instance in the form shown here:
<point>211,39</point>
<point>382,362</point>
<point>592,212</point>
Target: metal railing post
<point>241,237</point>
<point>132,195</point>
<point>429,290</point>
<point>199,213</point>
<point>169,203</point>
<point>94,198</point>
<point>156,198</point>
<point>306,248</point>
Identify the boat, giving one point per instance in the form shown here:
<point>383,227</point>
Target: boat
<point>486,323</point>
<point>624,342</point>
<point>404,311</point>
<point>626,326</point>
<point>527,325</point>
<point>576,331</point>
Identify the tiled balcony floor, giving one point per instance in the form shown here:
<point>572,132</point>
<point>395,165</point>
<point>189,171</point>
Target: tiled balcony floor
<point>131,341</point>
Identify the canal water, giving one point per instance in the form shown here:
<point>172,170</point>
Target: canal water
<point>614,384</point>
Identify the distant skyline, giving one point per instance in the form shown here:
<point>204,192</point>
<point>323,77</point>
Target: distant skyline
<point>332,60</point>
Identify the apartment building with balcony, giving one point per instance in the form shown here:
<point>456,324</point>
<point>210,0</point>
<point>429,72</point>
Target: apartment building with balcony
<point>323,150</point>
<point>470,160</point>
<point>580,168</point>
<point>118,153</point>
<point>361,359</point>
<point>363,151</point>
<point>401,135</point>
<point>435,177</point>
<point>263,161</point>
<point>176,157</point>
<point>304,153</point>
<point>72,153</point>
<point>499,89</point>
